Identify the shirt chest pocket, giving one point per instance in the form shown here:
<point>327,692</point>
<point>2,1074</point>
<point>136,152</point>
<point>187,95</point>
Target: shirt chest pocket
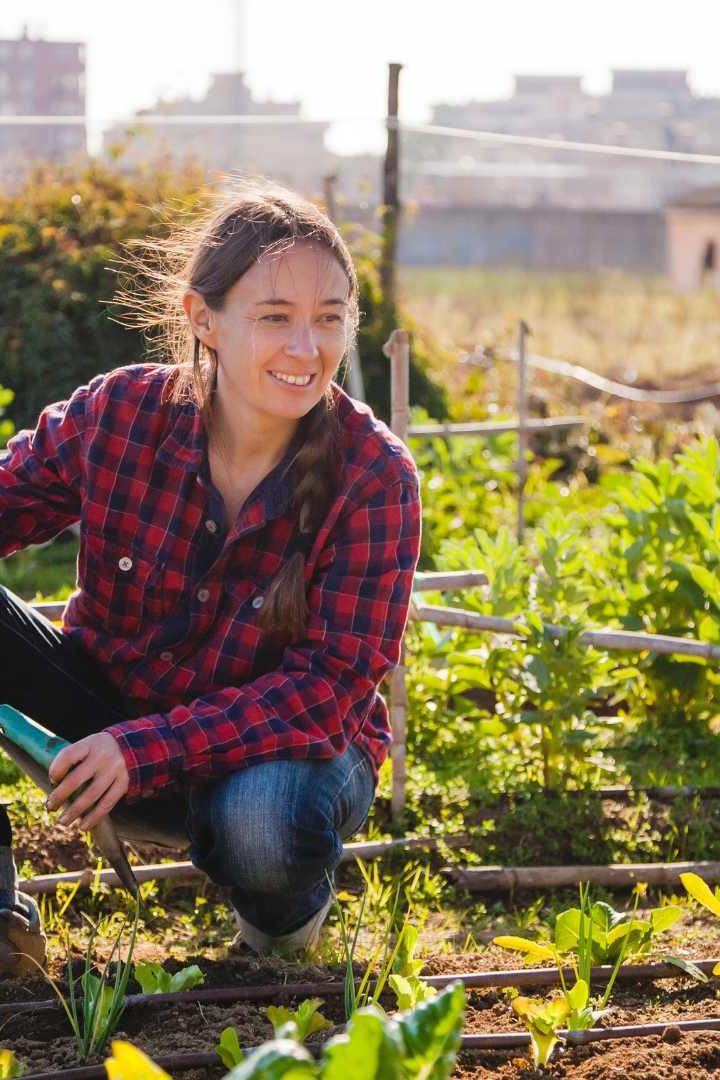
<point>121,588</point>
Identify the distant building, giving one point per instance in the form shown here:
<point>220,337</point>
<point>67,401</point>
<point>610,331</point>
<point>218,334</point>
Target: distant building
<point>40,78</point>
<point>653,109</point>
<point>292,152</point>
<point>693,239</point>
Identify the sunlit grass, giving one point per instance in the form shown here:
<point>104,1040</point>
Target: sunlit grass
<point>622,325</point>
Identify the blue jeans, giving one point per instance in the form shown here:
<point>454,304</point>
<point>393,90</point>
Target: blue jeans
<point>271,832</point>
<point>274,833</point>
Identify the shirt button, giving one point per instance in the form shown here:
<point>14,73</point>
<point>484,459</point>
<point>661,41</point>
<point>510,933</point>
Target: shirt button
<point>258,602</point>
<point>203,595</point>
<point>211,526</point>
<point>125,563</point>
<point>167,656</point>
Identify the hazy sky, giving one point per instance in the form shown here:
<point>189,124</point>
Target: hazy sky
<point>332,55</point>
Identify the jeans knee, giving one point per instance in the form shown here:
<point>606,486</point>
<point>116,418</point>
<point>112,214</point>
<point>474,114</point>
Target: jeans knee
<point>262,845</point>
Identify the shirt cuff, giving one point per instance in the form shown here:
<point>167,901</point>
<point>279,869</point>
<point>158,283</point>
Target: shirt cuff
<point>151,752</point>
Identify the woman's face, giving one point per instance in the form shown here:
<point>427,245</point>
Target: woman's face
<point>281,333</point>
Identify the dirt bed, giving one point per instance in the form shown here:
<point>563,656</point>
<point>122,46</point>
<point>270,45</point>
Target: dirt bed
<point>42,1043</point>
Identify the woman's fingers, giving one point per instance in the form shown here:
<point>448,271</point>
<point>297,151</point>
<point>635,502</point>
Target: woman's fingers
<point>73,780</point>
<point>111,797</point>
<point>86,799</point>
<point>68,757</point>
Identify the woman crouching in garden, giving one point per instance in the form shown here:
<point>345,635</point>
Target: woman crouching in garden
<point>248,537</point>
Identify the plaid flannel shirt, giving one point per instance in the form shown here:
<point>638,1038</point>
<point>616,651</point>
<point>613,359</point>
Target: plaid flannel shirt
<point>167,599</point>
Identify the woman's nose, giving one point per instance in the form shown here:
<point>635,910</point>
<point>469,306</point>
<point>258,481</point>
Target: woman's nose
<point>302,342</point>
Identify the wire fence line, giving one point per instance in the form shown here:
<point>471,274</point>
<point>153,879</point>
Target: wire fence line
<point>250,119</point>
<point>482,357</point>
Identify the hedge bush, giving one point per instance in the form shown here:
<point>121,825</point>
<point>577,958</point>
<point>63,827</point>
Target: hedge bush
<point>58,240</point>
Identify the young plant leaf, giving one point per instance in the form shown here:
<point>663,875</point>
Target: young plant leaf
<point>532,949</point>
<point>701,892</point>
<point>431,1034</point>
<point>366,1050</point>
<point>129,1063</point>
<point>281,1059</point>
<point>689,968</point>
<point>9,1065</point>
<point>153,979</point>
<point>229,1048</point>
<point>306,1019</point>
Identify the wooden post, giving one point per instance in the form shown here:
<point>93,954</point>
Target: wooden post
<point>523,331</point>
<point>397,349</point>
<point>329,182</point>
<point>391,203</point>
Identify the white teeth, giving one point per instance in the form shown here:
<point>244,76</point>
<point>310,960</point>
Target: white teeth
<point>295,380</point>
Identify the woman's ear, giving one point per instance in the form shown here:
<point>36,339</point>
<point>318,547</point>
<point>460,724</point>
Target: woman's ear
<point>200,317</point>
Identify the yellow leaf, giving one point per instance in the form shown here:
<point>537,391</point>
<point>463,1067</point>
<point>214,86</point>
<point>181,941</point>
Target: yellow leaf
<point>532,949</point>
<point>129,1063</point>
<point>716,969</point>
<point>701,892</point>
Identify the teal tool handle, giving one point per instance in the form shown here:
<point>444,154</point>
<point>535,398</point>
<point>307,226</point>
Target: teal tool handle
<point>39,743</point>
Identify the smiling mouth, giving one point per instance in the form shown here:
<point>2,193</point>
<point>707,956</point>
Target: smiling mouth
<point>291,380</point>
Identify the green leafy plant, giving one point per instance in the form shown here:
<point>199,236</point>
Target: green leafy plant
<point>9,1065</point>
<point>699,890</point>
<point>543,1019</point>
<point>153,979</point>
<point>93,1004</point>
<point>404,981</point>
<point>418,1045</point>
<point>229,1049</point>
<point>298,1024</point>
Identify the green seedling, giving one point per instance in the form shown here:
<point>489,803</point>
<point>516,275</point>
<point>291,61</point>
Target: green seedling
<point>9,1065</point>
<point>302,1023</point>
<point>543,1019</point>
<point>95,1012</point>
<point>153,979</point>
<point>595,933</point>
<point>699,890</point>
<point>229,1049</point>
<point>417,1045</point>
<point>404,981</point>
<point>397,969</point>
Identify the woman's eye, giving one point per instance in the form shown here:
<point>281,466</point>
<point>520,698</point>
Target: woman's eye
<point>333,318</point>
<point>279,317</point>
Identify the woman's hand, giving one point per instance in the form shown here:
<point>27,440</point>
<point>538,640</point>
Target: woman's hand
<point>97,762</point>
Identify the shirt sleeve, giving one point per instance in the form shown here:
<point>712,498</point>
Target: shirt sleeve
<point>315,702</point>
<point>41,476</point>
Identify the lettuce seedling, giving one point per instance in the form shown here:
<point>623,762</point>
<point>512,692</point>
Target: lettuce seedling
<point>543,1019</point>
<point>10,1068</point>
<point>422,1043</point>
<point>699,890</point>
<point>153,979</point>
<point>229,1048</point>
<point>129,1063</point>
<point>305,1021</point>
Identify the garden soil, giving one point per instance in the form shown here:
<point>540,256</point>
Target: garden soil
<point>42,1043</point>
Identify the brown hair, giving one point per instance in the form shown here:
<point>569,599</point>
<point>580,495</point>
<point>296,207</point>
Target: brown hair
<point>209,255</point>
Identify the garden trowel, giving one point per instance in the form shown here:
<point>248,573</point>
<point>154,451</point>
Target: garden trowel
<point>32,748</point>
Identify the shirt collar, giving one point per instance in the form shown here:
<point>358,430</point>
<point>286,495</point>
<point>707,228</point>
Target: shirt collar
<point>185,445</point>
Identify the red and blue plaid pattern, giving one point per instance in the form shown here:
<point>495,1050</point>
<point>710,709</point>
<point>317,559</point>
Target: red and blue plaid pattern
<point>167,600</point>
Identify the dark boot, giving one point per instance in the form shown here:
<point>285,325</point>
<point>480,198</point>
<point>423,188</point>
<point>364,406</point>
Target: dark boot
<point>22,941</point>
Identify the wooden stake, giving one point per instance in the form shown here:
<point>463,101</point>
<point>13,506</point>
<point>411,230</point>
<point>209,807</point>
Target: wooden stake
<point>523,331</point>
<point>502,878</point>
<point>397,349</point>
<point>626,640</point>
<point>391,202</point>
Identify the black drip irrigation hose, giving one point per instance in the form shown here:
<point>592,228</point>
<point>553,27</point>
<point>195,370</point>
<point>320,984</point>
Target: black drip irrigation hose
<point>519,978</point>
<point>506,1040</point>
